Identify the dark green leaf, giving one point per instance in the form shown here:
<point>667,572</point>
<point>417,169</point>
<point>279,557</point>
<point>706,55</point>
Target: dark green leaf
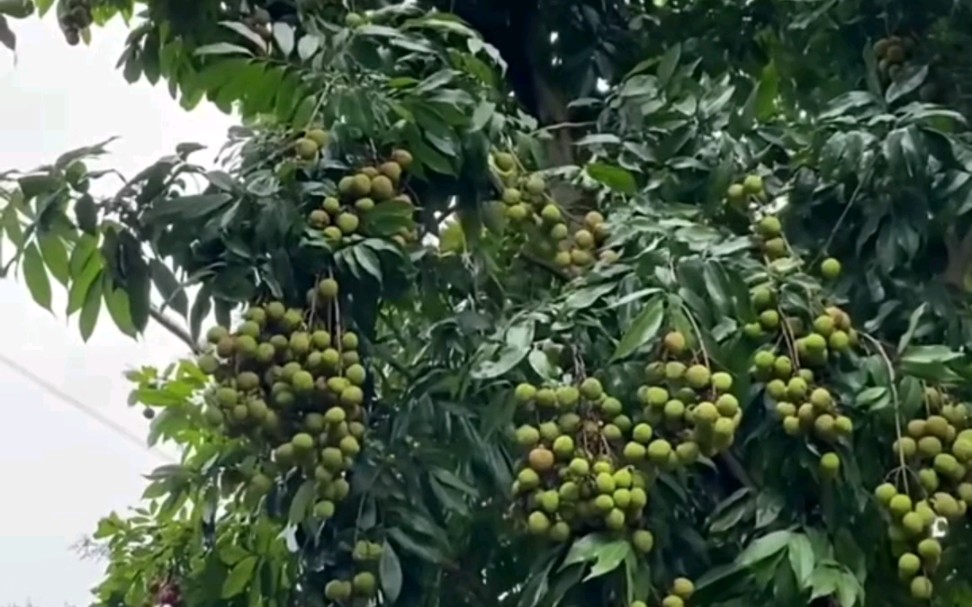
<point>239,577</point>
<point>173,294</point>
<point>909,81</point>
<point>390,573</point>
<point>301,502</point>
<point>613,177</point>
<point>764,547</point>
<point>35,275</point>
<point>90,310</point>
<point>55,255</point>
<point>609,557</point>
<point>186,208</point>
<point>801,558</point>
<point>644,328</point>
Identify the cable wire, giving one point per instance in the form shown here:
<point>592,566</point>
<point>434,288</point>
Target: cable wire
<point>77,404</point>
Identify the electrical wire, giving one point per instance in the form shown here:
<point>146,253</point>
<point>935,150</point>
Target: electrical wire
<point>80,406</point>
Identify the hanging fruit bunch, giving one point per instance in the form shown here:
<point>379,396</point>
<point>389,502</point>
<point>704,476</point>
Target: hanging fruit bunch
<point>930,489</point>
<point>891,54</point>
<point>357,581</point>
<point>291,382</point>
<point>578,473</point>
<point>678,595</point>
<point>358,193</point>
<point>801,351</point>
<point>690,408</point>
<point>541,224</point>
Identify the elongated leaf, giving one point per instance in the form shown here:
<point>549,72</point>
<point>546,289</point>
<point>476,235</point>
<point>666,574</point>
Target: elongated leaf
<point>644,327</point>
<point>55,255</point>
<point>301,502</point>
<point>35,275</point>
<point>239,577</point>
<point>390,572</point>
<point>764,547</point>
<point>614,177</point>
<point>801,556</point>
<point>89,312</point>
<point>907,83</point>
<point>186,208</point>
<point>609,557</point>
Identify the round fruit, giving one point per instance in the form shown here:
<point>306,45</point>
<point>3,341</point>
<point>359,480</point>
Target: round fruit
<point>908,565</point>
<point>830,268</point>
<point>306,148</point>
<point>921,588</point>
<point>538,523</point>
<point>643,540</point>
<point>591,389</point>
<point>675,343</point>
<point>541,459</point>
<point>753,184</point>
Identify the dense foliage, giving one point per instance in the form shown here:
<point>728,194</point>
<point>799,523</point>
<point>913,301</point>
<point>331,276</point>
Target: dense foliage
<point>537,303</point>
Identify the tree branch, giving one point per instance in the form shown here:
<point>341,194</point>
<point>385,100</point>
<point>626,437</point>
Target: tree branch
<point>170,325</point>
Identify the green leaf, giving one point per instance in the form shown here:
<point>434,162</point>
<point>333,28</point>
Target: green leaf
<point>764,547</point>
<point>284,35</point>
<point>86,214</point>
<point>301,502</point>
<point>389,218</point>
<point>913,321</point>
<point>390,573</point>
<point>239,577</point>
<point>910,79</point>
<point>613,177</point>
<point>186,208</point>
<point>89,311</point>
<point>223,48</point>
<point>801,556</point>
<point>644,328</point>
<point>668,63</point>
<point>55,255</point>
<point>585,549</point>
<point>117,302</point>
<point>43,6</point>
<point>609,557</point>
<point>35,275</point>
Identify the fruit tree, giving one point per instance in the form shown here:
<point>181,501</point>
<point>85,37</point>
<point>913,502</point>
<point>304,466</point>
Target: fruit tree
<point>635,304</point>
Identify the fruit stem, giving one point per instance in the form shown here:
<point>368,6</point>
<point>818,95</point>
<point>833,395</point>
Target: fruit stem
<point>698,332</point>
<point>894,398</point>
<point>169,325</point>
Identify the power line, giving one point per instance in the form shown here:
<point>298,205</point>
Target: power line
<point>80,406</point>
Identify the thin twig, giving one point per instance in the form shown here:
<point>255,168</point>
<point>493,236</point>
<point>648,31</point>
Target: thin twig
<point>894,399</point>
<point>172,327</point>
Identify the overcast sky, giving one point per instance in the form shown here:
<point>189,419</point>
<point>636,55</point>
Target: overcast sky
<point>62,470</point>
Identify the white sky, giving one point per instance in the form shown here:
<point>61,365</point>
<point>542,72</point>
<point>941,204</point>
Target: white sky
<point>62,470</point>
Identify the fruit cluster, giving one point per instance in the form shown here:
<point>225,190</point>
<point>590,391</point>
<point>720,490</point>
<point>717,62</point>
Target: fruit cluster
<point>577,473</point>
<point>531,211</point>
<point>689,409</point>
<point>291,380</point>
<point>360,582</point>
<point>738,195</point>
<point>359,193</point>
<point>75,17</point>
<point>891,54</point>
<point>936,483</point>
<point>681,591</point>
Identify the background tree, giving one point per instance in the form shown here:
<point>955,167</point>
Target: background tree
<point>538,303</point>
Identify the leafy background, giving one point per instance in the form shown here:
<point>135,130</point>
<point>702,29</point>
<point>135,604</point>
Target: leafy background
<point>646,111</point>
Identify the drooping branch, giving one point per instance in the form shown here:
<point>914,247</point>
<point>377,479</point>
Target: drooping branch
<point>172,327</point>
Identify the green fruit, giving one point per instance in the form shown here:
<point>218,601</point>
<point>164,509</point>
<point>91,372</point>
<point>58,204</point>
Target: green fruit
<point>614,520</point>
<point>567,396</point>
<point>538,523</point>
<point>921,588</point>
<point>563,446</point>
<point>687,452</point>
<point>675,343</point>
<point>683,588</point>
<point>722,382</point>
<point>659,451</point>
<point>605,483</point>
<point>899,505</point>
<point>524,393</point>
<point>674,370</point>
<point>528,479</point>
<point>764,359</point>
<point>526,436</point>
<point>579,467</point>
<point>705,414</point>
<point>208,364</point>
<point>306,148</point>
<point>698,376</point>
<point>643,540</point>
<point>634,452</point>
<point>541,459</point>
<point>753,184</point>
<point>885,492</point>
<point>363,584</point>
<point>655,396</point>
<point>728,405</point>
<point>337,590</point>
<point>829,465</point>
<point>736,193</point>
<point>642,433</point>
<point>674,410</point>
<point>559,532</point>
<point>908,565</point>
<point>830,268</point>
<point>930,550</point>
<point>551,213</point>
<point>769,227</point>
<point>591,389</point>
<point>324,509</point>
<point>535,185</point>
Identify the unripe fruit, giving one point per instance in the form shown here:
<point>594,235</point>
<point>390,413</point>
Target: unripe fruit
<point>830,268</point>
<point>538,523</point>
<point>675,343</point>
<point>753,184</point>
<point>591,389</point>
<point>899,505</point>
<point>541,459</point>
<point>921,588</point>
<point>643,540</point>
<point>908,565</point>
<point>769,227</point>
